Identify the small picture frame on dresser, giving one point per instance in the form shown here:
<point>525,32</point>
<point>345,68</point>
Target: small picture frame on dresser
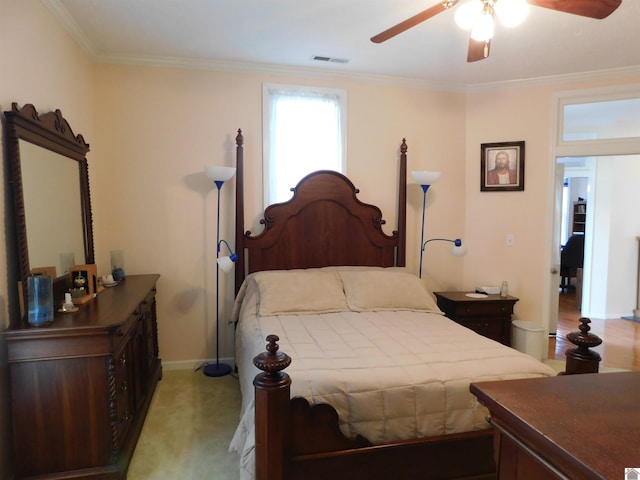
<point>83,281</point>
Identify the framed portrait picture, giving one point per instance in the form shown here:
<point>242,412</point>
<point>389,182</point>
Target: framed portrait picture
<point>502,166</point>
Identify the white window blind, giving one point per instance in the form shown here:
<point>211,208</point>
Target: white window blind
<point>303,132</point>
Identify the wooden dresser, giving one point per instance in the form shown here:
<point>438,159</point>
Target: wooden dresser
<point>81,387</point>
<point>489,316</point>
<point>572,426</point>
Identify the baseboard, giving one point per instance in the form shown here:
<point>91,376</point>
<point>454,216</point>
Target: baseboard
<point>194,364</point>
<point>560,365</point>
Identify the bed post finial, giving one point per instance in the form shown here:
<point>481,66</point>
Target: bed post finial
<point>239,138</point>
<point>401,254</point>
<point>582,359</point>
<point>272,362</point>
<point>273,413</point>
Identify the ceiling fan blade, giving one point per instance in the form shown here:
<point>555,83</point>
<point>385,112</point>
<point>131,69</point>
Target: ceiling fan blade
<point>587,8</point>
<point>413,21</point>
<point>478,50</point>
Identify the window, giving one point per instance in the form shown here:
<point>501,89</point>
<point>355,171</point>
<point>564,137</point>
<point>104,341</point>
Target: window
<point>601,120</point>
<point>303,130</point>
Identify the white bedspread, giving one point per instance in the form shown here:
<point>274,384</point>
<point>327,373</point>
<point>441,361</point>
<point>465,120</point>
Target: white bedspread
<point>390,375</point>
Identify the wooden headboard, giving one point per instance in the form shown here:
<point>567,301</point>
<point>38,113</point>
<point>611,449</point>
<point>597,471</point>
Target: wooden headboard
<point>323,224</point>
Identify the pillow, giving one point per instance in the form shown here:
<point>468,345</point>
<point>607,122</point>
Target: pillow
<point>384,290</point>
<point>300,291</point>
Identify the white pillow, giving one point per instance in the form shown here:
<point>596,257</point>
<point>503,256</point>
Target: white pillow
<point>299,291</point>
<point>386,290</point>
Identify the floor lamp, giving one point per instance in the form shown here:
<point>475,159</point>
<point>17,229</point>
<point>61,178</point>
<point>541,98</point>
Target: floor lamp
<point>425,178</point>
<point>220,175</point>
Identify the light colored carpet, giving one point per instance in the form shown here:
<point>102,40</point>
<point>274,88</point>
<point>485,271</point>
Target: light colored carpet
<point>190,423</point>
<point>187,432</point>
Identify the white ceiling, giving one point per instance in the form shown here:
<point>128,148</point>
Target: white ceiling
<point>284,35</point>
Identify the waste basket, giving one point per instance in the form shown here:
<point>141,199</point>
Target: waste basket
<point>528,337</point>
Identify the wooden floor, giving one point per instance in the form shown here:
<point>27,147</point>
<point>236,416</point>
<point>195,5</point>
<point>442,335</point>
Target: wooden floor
<point>620,346</point>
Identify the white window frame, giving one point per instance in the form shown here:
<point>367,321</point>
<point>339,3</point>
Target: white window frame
<point>268,91</point>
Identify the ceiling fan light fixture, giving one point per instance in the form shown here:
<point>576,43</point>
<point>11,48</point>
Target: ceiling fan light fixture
<point>467,14</point>
<point>482,30</point>
<point>511,12</point>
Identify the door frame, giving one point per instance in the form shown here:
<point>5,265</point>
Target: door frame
<point>582,148</point>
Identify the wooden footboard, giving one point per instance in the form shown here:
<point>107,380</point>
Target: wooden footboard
<point>295,440</point>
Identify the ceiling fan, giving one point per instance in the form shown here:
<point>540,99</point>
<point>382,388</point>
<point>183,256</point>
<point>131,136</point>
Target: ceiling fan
<point>477,15</point>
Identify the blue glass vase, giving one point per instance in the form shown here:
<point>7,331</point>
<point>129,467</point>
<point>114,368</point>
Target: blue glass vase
<point>40,300</point>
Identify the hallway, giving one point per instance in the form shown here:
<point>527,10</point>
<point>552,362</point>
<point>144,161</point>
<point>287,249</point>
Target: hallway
<point>620,346</point>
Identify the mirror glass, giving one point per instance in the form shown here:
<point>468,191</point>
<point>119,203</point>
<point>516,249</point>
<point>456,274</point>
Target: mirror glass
<point>53,211</point>
<point>49,177</point>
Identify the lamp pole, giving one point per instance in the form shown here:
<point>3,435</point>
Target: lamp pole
<point>218,369</point>
<point>424,209</point>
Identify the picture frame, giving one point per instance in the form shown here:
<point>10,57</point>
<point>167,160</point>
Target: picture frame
<point>507,177</point>
<point>84,283</point>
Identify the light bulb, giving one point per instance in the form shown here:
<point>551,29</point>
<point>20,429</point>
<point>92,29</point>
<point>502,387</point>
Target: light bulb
<point>467,14</point>
<point>226,263</point>
<point>511,12</point>
<point>483,28</point>
<point>458,251</point>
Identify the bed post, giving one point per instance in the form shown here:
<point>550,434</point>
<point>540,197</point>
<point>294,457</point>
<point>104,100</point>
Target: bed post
<point>582,359</point>
<point>401,259</point>
<point>272,414</point>
<point>240,267</point>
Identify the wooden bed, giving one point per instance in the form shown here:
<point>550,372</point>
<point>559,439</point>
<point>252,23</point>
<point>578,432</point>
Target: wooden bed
<point>298,441</point>
<point>325,225</point>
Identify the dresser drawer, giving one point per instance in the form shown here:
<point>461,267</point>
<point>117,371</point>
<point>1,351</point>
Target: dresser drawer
<point>123,392</point>
<point>120,333</point>
<point>483,309</point>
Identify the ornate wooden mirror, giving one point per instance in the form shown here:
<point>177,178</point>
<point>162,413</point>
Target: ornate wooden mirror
<point>50,180</point>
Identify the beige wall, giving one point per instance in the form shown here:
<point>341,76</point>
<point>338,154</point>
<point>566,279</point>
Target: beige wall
<point>510,115</point>
<point>42,65</point>
<point>152,130</point>
<point>158,127</point>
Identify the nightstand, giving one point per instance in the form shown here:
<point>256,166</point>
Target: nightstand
<point>489,316</point>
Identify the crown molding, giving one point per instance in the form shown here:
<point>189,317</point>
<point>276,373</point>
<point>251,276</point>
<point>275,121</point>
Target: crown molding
<point>556,79</point>
<point>61,14</point>
<point>70,25</point>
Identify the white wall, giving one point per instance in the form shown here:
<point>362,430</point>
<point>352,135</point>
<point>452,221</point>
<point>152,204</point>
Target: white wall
<point>615,247</point>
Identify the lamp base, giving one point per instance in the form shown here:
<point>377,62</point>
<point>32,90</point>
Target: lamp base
<point>217,370</point>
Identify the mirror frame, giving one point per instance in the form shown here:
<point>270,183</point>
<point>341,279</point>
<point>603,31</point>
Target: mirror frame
<point>52,132</point>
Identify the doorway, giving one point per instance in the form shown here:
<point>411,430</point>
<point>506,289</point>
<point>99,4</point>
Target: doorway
<point>573,227</point>
<point>603,128</point>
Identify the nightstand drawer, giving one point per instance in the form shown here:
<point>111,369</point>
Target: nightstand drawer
<point>483,309</point>
<point>489,316</point>
<point>486,328</point>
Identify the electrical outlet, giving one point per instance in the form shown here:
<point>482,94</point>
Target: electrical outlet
<point>511,239</point>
